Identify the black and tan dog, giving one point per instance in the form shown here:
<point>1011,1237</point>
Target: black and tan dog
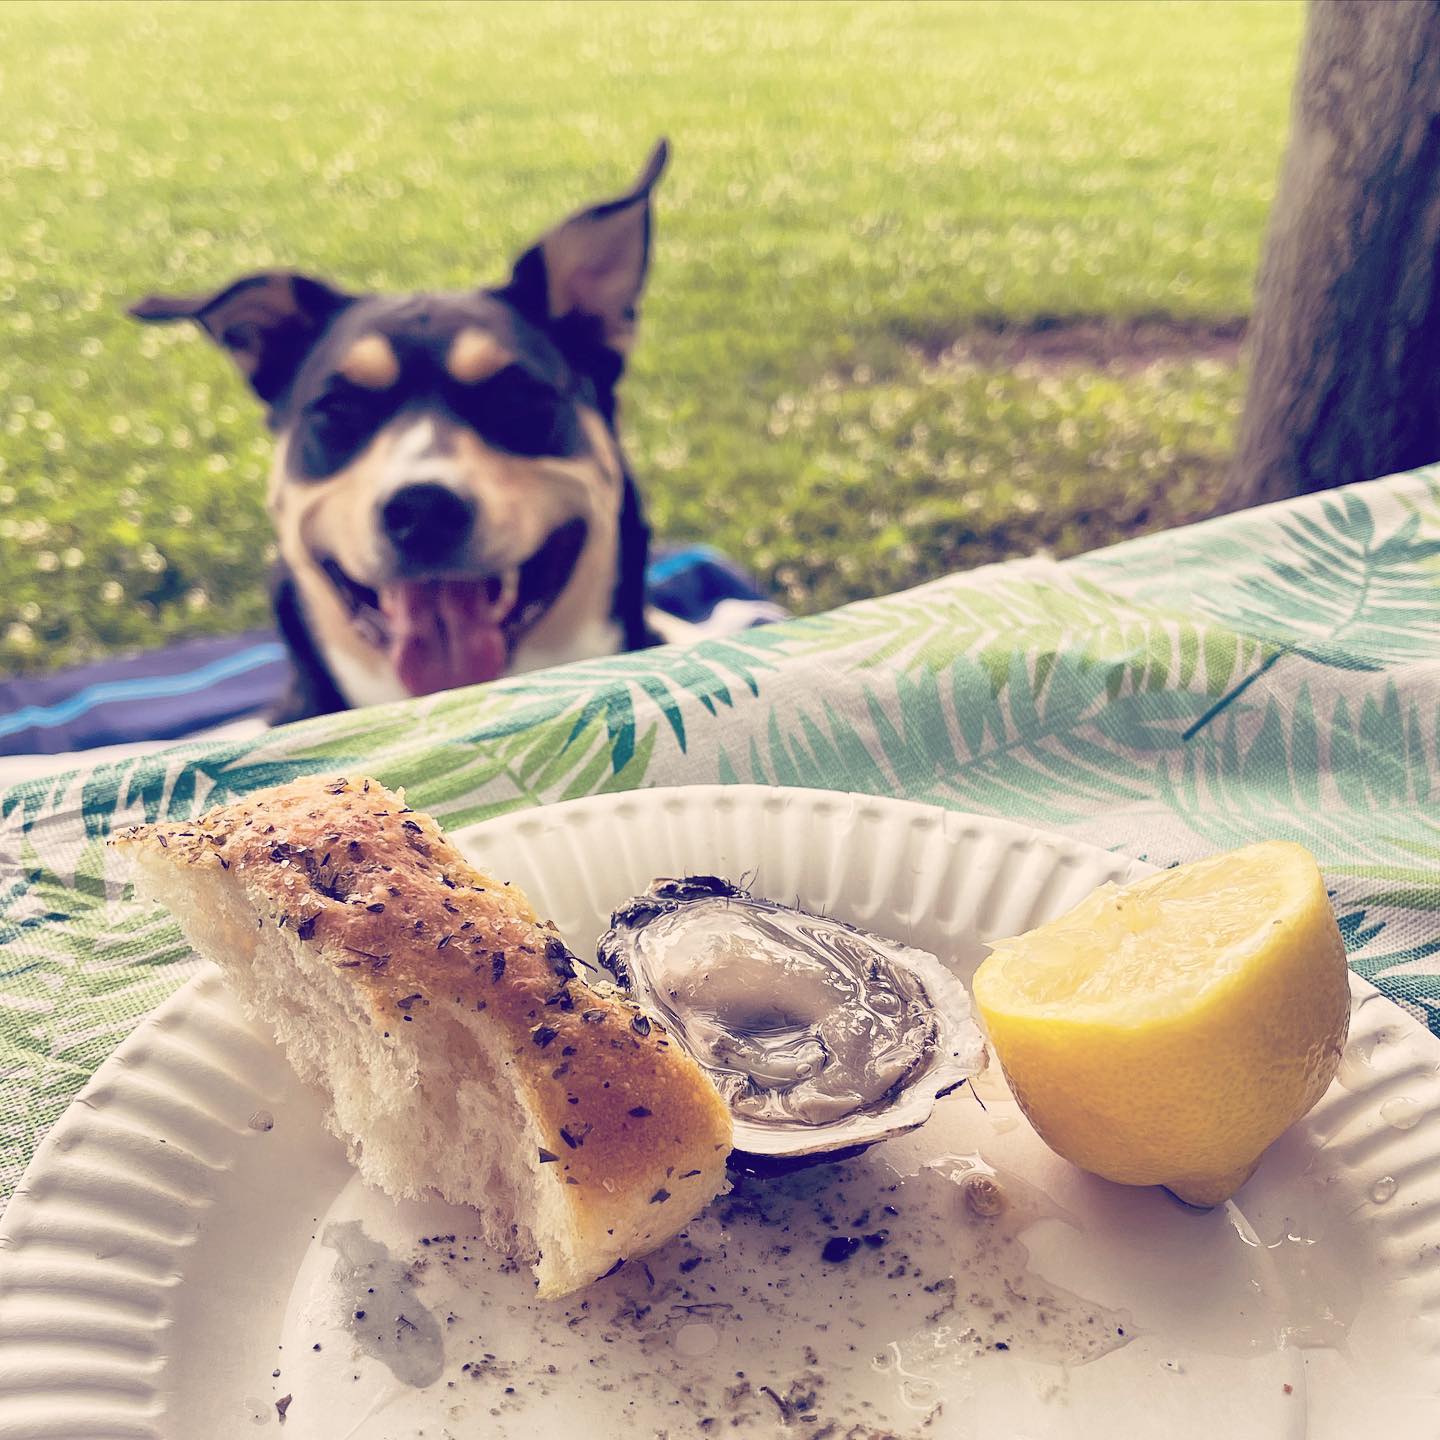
<point>450,496</point>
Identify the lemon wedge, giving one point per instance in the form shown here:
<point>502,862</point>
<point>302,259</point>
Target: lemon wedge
<point>1166,1032</point>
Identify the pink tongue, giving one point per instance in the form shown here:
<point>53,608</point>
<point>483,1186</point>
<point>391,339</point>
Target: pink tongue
<point>443,634</point>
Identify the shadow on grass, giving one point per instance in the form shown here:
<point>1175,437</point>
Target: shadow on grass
<point>1065,342</point>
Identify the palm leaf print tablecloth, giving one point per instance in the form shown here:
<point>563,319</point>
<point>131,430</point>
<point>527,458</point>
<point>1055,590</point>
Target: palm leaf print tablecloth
<point>1271,674</point>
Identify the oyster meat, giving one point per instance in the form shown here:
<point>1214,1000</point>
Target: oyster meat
<point>822,1038</point>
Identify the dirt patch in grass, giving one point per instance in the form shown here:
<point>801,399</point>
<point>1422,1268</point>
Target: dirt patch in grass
<point>1125,346</point>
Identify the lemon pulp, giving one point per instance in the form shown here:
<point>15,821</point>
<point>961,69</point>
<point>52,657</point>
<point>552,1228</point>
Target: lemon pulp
<point>1168,1031</point>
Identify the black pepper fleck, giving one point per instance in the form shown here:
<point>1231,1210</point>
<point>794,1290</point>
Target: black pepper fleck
<point>839,1248</point>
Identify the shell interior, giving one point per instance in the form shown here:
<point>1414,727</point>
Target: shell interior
<point>822,1037</point>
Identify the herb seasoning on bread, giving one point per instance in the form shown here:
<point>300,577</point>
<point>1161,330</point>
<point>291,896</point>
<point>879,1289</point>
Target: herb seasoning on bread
<point>460,1048</point>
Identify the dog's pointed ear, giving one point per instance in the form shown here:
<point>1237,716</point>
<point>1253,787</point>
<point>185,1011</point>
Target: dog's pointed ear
<point>591,268</point>
<point>267,323</point>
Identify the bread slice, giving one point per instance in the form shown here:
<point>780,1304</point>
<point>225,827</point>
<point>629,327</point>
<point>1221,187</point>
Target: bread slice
<point>460,1049</point>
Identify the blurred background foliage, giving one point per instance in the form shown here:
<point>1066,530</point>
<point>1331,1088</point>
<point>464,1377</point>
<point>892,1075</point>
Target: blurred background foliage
<point>875,217</point>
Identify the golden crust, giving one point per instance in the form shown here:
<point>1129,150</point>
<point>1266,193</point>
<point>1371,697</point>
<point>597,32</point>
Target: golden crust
<point>390,902</point>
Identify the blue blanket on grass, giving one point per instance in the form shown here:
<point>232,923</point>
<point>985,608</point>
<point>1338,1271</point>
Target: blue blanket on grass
<point>195,684</point>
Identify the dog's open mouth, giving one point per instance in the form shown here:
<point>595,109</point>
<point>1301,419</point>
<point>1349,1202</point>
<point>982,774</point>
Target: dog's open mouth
<point>446,630</point>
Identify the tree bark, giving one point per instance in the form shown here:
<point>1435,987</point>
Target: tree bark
<point>1345,341</point>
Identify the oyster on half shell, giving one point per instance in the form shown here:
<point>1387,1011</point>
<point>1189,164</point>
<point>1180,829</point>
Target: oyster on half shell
<point>823,1038</point>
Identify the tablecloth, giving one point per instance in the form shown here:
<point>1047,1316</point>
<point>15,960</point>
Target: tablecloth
<point>1269,674</point>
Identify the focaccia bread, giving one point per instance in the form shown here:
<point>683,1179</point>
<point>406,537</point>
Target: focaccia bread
<point>459,1045</point>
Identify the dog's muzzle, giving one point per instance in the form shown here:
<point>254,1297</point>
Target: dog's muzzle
<point>443,625</point>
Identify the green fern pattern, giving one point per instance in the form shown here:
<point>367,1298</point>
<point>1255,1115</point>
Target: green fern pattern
<point>1269,674</point>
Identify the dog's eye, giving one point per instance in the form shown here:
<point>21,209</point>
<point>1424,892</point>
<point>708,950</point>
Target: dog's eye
<point>335,412</point>
<point>335,427</point>
<point>519,413</point>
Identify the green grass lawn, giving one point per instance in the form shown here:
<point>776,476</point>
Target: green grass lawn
<point>854,188</point>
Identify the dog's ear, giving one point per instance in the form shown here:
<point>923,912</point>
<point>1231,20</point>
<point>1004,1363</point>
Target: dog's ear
<point>268,323</point>
<point>588,272</point>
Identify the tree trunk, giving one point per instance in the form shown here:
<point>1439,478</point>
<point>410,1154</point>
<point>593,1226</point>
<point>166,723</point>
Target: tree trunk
<point>1345,341</point>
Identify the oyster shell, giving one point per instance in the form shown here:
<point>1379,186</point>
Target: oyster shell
<point>823,1038</point>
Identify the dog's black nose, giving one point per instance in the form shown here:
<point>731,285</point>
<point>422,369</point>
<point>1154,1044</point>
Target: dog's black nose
<point>427,522</point>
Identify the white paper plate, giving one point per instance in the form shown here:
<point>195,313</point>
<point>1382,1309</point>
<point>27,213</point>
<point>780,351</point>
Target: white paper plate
<point>188,1229</point>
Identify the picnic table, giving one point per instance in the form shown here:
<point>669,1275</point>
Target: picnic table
<point>1272,674</point>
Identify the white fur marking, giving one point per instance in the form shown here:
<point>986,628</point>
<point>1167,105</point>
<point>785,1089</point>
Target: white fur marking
<point>362,684</point>
<point>589,642</point>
